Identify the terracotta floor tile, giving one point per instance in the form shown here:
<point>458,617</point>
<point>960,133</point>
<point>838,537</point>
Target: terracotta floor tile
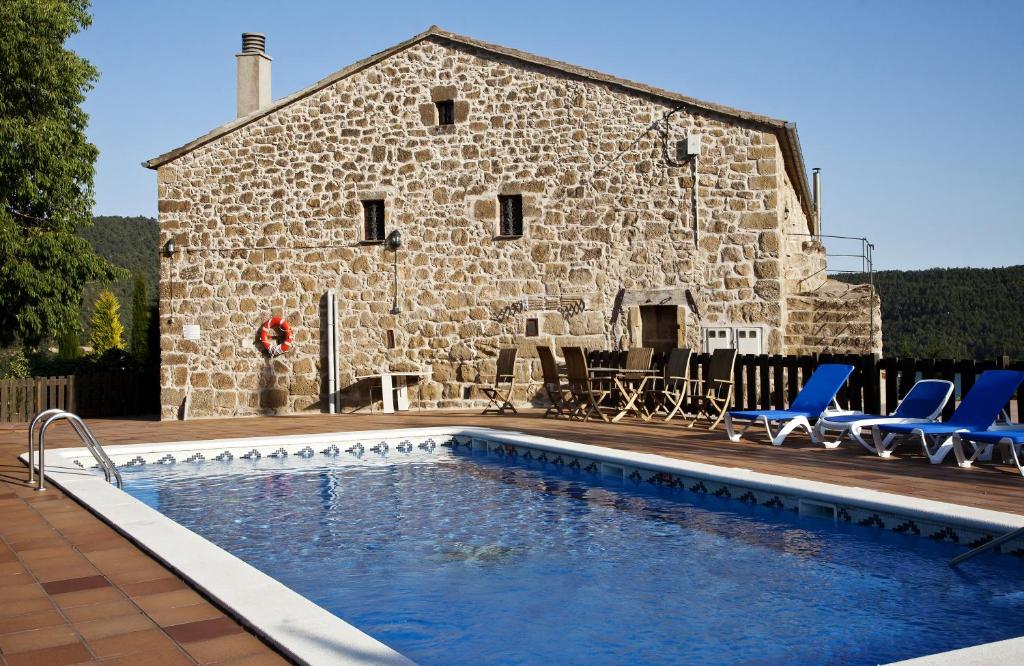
<point>75,584</point>
<point>155,586</point>
<point>52,571</point>
<point>269,658</point>
<point>37,639</point>
<point>25,607</point>
<point>165,656</point>
<point>14,579</point>
<point>101,611</point>
<point>225,647</point>
<point>62,655</point>
<point>86,597</point>
<point>29,590</point>
<point>138,641</point>
<point>203,630</point>
<point>113,626</point>
<point>175,599</point>
<point>166,617</point>
<point>37,620</point>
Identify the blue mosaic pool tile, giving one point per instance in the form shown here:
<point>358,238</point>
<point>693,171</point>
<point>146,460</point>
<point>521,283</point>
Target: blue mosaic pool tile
<point>592,467</point>
<point>635,476</point>
<point>723,491</point>
<point>774,502</point>
<point>699,487</point>
<point>405,446</point>
<point>331,450</point>
<point>748,497</point>
<point>137,460</point>
<point>945,533</point>
<point>380,447</point>
<point>251,455</point>
<point>168,459</point>
<point>196,457</point>
<point>874,519</point>
<point>356,449</point>
<point>427,445</point>
<point>224,456</point>
<point>908,526</point>
<point>843,514</point>
<point>280,453</point>
<point>305,452</point>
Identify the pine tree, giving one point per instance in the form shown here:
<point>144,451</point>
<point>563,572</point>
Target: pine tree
<point>107,328</point>
<point>46,169</point>
<point>140,318</point>
<point>68,345</point>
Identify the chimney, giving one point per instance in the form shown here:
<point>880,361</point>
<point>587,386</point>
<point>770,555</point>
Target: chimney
<point>253,74</point>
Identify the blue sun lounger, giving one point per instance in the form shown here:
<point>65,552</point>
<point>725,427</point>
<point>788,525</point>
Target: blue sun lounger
<point>1011,436</point>
<point>814,398</point>
<point>977,412</point>
<point>922,404</point>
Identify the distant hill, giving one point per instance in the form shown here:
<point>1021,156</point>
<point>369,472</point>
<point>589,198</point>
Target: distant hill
<point>129,242</point>
<point>951,312</point>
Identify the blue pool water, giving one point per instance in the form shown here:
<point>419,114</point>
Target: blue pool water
<point>467,558</point>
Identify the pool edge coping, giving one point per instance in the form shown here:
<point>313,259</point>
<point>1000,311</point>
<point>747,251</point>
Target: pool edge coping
<point>155,533</point>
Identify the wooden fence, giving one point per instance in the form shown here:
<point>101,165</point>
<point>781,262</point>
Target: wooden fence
<point>876,385</point>
<point>92,395</point>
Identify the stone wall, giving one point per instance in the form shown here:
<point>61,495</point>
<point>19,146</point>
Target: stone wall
<point>268,217</point>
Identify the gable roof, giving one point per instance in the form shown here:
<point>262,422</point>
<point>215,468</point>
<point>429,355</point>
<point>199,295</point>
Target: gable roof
<point>784,131</point>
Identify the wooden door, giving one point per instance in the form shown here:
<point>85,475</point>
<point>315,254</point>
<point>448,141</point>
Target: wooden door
<point>659,327</point>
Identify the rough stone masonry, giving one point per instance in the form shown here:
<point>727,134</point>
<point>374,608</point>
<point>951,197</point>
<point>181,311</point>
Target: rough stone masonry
<point>267,213</point>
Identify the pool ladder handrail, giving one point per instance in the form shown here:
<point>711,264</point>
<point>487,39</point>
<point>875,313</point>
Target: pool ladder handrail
<point>978,550</point>
<point>50,416</point>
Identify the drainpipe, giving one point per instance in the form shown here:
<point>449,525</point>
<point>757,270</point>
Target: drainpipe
<point>817,202</point>
<point>332,351</point>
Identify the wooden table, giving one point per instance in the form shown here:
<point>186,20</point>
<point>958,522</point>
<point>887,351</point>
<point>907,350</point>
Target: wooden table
<point>631,384</point>
<point>394,388</point>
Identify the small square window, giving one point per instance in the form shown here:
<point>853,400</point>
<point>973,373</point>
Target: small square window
<point>373,221</point>
<point>445,112</point>
<point>510,215</point>
<point>532,327</point>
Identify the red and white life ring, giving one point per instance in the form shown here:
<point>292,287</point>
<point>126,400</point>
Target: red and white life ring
<point>268,336</point>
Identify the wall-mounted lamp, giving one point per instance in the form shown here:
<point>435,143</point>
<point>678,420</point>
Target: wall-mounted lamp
<point>169,248</point>
<point>393,242</point>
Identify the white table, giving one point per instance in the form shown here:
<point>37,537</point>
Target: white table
<point>394,388</point>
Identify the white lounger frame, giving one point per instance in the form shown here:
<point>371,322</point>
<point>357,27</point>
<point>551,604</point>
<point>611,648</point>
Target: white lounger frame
<point>778,438</point>
<point>985,451</point>
<point>853,428</point>
<point>936,446</point>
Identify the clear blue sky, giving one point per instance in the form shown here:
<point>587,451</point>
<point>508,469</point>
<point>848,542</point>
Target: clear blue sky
<point>912,109</point>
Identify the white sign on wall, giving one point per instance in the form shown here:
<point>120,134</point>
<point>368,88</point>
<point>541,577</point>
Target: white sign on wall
<point>191,331</point>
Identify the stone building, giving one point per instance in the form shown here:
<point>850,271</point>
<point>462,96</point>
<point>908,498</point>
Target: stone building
<point>537,202</point>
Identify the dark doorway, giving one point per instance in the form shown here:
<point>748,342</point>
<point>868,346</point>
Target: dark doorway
<point>659,327</point>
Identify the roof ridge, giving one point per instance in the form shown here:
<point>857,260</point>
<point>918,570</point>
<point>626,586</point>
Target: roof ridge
<point>786,131</point>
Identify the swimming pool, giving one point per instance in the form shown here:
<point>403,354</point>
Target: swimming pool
<point>458,554</point>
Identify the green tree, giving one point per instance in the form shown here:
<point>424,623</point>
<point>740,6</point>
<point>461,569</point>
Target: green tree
<point>140,318</point>
<point>106,324</point>
<point>46,169</point>
<point>69,347</point>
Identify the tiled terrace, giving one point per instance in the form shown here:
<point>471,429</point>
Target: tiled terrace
<point>74,591</point>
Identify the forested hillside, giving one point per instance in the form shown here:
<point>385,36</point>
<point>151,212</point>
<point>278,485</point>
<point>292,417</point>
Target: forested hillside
<point>128,242</point>
<point>951,312</point>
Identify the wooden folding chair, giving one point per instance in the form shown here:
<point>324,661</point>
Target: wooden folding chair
<point>669,392</point>
<point>711,399</point>
<point>587,396</point>
<point>500,393</point>
<point>631,383</point>
<point>553,386</point>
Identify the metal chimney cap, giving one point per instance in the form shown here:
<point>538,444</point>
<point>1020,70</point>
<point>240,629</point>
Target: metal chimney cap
<point>254,42</point>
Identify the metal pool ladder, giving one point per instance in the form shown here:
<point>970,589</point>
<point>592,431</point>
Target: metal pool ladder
<point>44,420</point>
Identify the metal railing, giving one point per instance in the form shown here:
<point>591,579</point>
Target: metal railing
<point>44,420</point>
